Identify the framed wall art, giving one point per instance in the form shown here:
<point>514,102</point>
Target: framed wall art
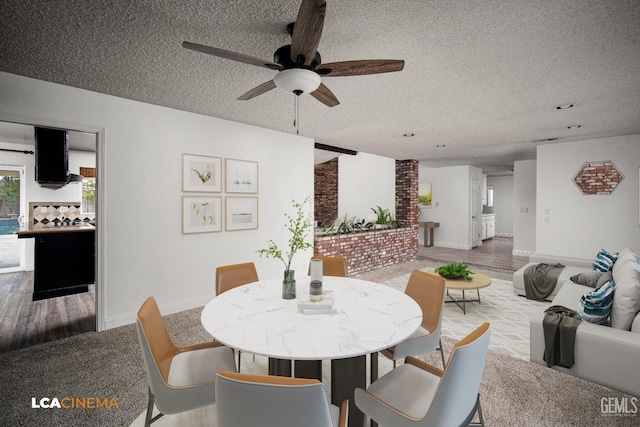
<point>424,194</point>
<point>241,213</point>
<point>201,173</point>
<point>201,214</point>
<point>241,176</point>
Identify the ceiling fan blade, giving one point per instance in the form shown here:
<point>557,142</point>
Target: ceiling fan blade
<point>307,30</point>
<point>324,95</point>
<point>359,67</point>
<point>258,90</point>
<point>227,54</point>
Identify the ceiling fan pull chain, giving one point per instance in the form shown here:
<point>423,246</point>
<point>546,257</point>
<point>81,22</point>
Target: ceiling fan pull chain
<point>296,114</point>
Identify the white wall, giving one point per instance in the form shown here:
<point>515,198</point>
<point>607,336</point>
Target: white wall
<point>524,207</point>
<point>502,203</point>
<point>574,225</point>
<point>451,193</point>
<point>364,182</point>
<point>141,248</point>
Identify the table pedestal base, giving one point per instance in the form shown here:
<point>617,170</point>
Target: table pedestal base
<point>346,375</point>
<point>311,369</point>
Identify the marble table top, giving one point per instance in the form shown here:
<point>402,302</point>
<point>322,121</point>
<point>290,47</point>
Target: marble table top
<point>254,318</point>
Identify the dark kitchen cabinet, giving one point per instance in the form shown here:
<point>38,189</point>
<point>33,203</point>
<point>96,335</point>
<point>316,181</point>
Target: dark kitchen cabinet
<point>64,264</point>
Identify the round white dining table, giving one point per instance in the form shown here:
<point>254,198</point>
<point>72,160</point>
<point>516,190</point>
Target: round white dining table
<point>254,318</point>
<point>368,317</point>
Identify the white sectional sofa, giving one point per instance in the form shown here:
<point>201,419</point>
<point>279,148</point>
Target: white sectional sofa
<point>572,266</point>
<point>607,355</point>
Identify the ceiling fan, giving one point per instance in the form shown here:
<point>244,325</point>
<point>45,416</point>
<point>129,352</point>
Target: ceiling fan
<point>299,65</point>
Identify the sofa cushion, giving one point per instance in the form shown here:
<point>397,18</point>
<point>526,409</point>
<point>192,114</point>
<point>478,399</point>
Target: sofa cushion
<point>595,306</point>
<point>625,257</point>
<point>626,300</point>
<point>635,325</point>
<point>587,278</point>
<point>604,261</point>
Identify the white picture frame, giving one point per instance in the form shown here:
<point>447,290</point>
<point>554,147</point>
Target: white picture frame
<point>201,214</point>
<point>241,176</point>
<point>202,174</point>
<point>241,213</point>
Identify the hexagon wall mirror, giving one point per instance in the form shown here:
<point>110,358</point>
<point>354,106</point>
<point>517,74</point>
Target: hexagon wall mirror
<point>597,178</point>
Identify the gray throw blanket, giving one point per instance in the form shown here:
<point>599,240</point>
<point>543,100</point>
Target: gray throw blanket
<point>540,280</point>
<point>559,326</point>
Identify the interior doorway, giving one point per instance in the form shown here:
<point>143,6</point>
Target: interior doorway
<point>24,322</point>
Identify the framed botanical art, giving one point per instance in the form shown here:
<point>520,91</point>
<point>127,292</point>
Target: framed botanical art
<point>241,176</point>
<point>424,194</point>
<point>201,214</point>
<point>241,213</point>
<point>201,174</point>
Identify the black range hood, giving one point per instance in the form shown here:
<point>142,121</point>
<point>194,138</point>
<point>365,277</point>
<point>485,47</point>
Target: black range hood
<point>52,158</point>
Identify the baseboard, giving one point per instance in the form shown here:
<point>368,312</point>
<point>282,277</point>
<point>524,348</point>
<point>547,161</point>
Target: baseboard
<point>175,307</point>
<point>520,252</point>
<point>504,235</point>
<point>452,245</point>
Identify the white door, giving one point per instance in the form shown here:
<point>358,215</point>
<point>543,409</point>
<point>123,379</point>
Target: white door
<point>476,239</point>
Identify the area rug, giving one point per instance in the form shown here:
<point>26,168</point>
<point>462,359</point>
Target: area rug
<point>513,392</point>
<point>508,313</point>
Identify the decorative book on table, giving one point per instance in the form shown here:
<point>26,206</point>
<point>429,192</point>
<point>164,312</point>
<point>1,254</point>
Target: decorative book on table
<point>305,303</point>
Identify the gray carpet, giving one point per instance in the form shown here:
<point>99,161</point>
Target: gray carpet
<point>109,365</point>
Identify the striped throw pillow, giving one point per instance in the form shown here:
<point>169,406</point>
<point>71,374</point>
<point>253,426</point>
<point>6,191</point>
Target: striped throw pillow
<point>595,306</point>
<point>604,261</point>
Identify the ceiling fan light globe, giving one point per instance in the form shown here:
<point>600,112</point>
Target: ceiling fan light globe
<point>297,80</point>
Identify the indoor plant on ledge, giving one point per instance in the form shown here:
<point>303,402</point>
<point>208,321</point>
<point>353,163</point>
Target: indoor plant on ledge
<point>298,225</point>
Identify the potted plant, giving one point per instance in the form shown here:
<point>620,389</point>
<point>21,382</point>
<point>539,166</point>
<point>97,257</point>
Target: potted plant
<point>298,225</point>
<point>383,217</point>
<point>454,271</point>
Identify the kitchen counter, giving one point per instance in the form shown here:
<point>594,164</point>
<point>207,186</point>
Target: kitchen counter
<point>34,230</point>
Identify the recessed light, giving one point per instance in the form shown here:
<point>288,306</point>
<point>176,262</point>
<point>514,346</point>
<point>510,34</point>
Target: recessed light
<point>565,106</point>
<point>574,127</point>
<point>409,134</point>
<point>440,146</point>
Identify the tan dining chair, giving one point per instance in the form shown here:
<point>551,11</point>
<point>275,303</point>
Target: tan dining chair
<point>273,401</point>
<point>428,290</point>
<point>418,394</point>
<point>232,276</point>
<point>332,266</point>
<point>181,378</point>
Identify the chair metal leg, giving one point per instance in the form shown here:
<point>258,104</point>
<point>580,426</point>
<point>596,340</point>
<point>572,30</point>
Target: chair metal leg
<point>441,353</point>
<point>239,353</point>
<point>478,410</point>
<point>148,420</point>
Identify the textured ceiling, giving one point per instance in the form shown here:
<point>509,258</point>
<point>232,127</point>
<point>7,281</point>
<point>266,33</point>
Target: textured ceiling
<point>482,78</point>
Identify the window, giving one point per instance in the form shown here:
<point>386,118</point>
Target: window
<point>88,190</point>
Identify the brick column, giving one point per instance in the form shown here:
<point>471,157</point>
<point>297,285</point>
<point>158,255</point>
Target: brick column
<point>326,192</point>
<point>407,200</point>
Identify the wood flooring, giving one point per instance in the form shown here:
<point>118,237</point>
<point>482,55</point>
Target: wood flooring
<point>24,322</point>
<point>494,256</point>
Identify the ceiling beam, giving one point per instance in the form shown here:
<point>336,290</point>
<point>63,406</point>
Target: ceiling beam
<point>335,149</point>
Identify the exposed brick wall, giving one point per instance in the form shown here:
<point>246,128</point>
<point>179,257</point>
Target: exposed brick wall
<point>370,250</point>
<point>326,192</point>
<point>381,248</point>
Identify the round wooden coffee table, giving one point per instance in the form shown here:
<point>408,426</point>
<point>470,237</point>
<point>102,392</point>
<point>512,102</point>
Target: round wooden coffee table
<point>478,281</point>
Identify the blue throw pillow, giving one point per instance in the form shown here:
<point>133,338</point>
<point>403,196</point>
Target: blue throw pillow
<point>595,306</point>
<point>604,261</point>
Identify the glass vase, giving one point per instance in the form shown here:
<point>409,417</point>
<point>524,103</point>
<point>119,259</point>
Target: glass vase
<point>289,285</point>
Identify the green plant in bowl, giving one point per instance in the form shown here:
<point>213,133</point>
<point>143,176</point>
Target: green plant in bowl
<point>454,271</point>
